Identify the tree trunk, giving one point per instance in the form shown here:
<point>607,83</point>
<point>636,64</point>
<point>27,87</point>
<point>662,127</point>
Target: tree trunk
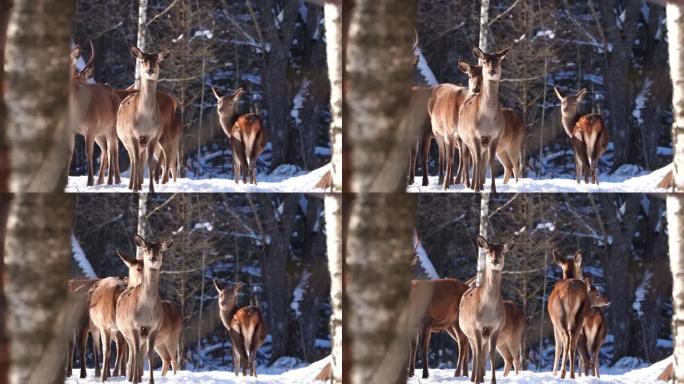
<point>142,35</point>
<point>484,231</point>
<point>5,8</point>
<point>142,222</point>
<point>333,36</point>
<point>37,58</point>
<point>675,203</point>
<point>333,229</point>
<point>484,25</point>
<point>38,263</point>
<point>5,199</point>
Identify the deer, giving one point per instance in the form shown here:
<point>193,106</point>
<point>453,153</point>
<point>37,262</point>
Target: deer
<point>443,297</point>
<point>481,118</point>
<point>568,306</point>
<point>246,325</point>
<point>167,344</point>
<point>509,343</point>
<point>78,292</point>
<point>93,108</point>
<point>588,135</point>
<point>594,330</point>
<point>139,119</point>
<point>103,297</point>
<point>139,309</point>
<point>482,313</point>
<point>246,134</point>
<point>509,148</point>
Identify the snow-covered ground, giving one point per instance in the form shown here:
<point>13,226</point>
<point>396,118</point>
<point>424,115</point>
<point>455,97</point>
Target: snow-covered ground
<point>618,182</point>
<point>645,375</point>
<point>265,375</point>
<point>276,182</point>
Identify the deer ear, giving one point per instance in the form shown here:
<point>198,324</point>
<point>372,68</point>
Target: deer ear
<point>477,52</point>
<point>578,258</point>
<point>238,287</point>
<point>216,94</point>
<point>163,55</point>
<point>581,94</point>
<point>502,53</point>
<point>166,244</point>
<point>75,53</point>
<point>587,282</point>
<point>136,52</point>
<point>88,73</point>
<point>139,241</point>
<point>509,245</point>
<point>238,92</point>
<point>558,93</point>
<point>216,285</point>
<point>556,257</point>
<point>127,260</point>
<point>482,242</point>
<point>463,66</point>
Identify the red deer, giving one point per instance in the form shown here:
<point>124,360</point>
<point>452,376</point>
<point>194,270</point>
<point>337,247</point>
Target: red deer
<point>509,148</point>
<point>441,314</point>
<point>78,291</point>
<point>482,313</point>
<point>509,343</point>
<point>247,328</point>
<point>103,297</point>
<point>594,331</point>
<point>139,119</point>
<point>568,305</point>
<point>588,135</point>
<point>168,338</point>
<point>481,118</point>
<point>418,117</point>
<point>139,309</point>
<point>246,133</point>
<point>93,107</point>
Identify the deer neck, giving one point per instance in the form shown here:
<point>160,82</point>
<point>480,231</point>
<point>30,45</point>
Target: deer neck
<point>148,95</point>
<point>228,119</point>
<point>227,314</point>
<point>490,95</point>
<point>150,285</point>
<point>569,122</point>
<point>492,283</point>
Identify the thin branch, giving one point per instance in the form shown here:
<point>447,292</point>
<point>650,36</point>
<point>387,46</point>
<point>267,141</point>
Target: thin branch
<point>161,206</point>
<point>161,13</point>
<point>502,14</point>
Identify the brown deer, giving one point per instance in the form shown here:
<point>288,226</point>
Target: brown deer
<point>568,305</point>
<point>509,148</point>
<point>139,119</point>
<point>93,108</point>
<point>588,135</point>
<point>103,297</point>
<point>481,118</point>
<point>482,313</point>
<point>246,133</point>
<point>509,343</point>
<point>78,292</point>
<point>443,297</point>
<point>168,338</point>
<point>594,330</point>
<point>417,113</point>
<point>246,325</point>
<point>139,309</point>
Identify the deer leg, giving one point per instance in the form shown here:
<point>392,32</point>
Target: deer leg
<point>71,156</point>
<point>90,142</point>
<point>505,160</point>
<point>449,160</point>
<point>466,166</point>
<point>151,162</point>
<point>475,349</point>
<point>413,153</point>
<point>573,348</point>
<point>557,339</point>
<point>566,346</point>
<point>463,351</point>
<point>595,362</point>
<point>142,160</point>
<point>106,344</point>
<point>134,155</point>
<point>492,355</point>
<point>491,155</point>
<point>424,154</point>
<point>102,144</point>
<point>477,167</point>
<point>70,355</point>
<point>440,158</point>
<point>150,353</point>
<point>82,343</point>
<point>505,352</point>
<point>115,161</point>
<point>413,347</point>
<point>425,334</point>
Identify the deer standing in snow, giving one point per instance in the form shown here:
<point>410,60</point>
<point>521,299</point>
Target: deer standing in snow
<point>594,330</point>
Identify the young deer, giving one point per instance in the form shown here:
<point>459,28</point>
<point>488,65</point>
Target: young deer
<point>568,305</point>
<point>247,328</point>
<point>481,118</point>
<point>78,292</point>
<point>139,309</point>
<point>482,313</point>
<point>594,330</point>
<point>167,343</point>
<point>139,119</point>
<point>93,108</point>
<point>588,135</point>
<point>441,314</point>
<point>509,343</point>
<point>103,297</point>
<point>246,133</point>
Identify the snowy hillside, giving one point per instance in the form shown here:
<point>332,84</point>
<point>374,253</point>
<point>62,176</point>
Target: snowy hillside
<point>265,375</point>
<point>646,375</point>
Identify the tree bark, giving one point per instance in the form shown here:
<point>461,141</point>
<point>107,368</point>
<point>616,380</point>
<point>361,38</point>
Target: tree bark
<point>5,199</point>
<point>333,229</point>
<point>5,165</point>
<point>484,25</point>
<point>333,36</point>
<point>142,35</point>
<point>38,262</point>
<point>484,231</point>
<point>142,222</point>
<point>37,58</point>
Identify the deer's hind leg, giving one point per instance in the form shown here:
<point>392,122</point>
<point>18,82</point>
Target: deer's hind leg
<point>104,158</point>
<point>90,144</point>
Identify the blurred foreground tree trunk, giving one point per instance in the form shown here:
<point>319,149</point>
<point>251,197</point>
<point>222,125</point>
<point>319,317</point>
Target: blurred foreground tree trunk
<point>5,12</point>
<point>4,340</point>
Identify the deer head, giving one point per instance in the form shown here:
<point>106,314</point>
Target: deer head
<point>153,252</point>
<point>225,105</point>
<point>570,103</point>
<point>490,62</point>
<point>149,62</point>
<point>228,297</point>
<point>474,73</point>
<point>572,268</point>
<point>596,297</point>
<point>135,268</point>
<point>495,253</point>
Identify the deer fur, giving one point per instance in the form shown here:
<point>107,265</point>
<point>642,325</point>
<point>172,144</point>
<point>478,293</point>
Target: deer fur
<point>167,344</point>
<point>509,344</point>
<point>594,330</point>
<point>139,119</point>
<point>103,297</point>
<point>246,325</point>
<point>509,148</point>
<point>588,135</point>
<point>78,292</point>
<point>139,309</point>
<point>418,115</point>
<point>441,314</point>
<point>568,306</point>
<point>482,314</point>
<point>481,118</point>
<point>93,108</point>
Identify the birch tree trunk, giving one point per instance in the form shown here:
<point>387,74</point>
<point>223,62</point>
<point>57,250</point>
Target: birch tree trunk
<point>333,229</point>
<point>333,37</point>
<point>142,35</point>
<point>36,60</point>
<point>484,25</point>
<point>38,262</point>
<point>675,202</point>
<point>142,222</point>
<point>5,11</point>
<point>484,226</point>
<point>5,199</point>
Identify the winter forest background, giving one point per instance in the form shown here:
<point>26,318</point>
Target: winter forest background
<point>623,239</point>
<point>273,243</point>
<point>616,49</point>
<point>273,49</point>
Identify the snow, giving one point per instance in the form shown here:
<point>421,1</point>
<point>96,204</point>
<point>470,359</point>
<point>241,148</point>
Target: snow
<point>640,101</point>
<point>298,293</point>
<point>277,182</point>
<point>298,102</point>
<point>423,258</point>
<point>275,375</point>
<point>81,259</point>
<point>621,181</point>
<point>640,293</point>
<point>608,375</point>
<point>424,69</point>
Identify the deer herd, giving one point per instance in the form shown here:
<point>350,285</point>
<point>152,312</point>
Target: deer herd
<point>480,321</point>
<point>129,312</point>
<point>147,122</point>
<point>472,120</point>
